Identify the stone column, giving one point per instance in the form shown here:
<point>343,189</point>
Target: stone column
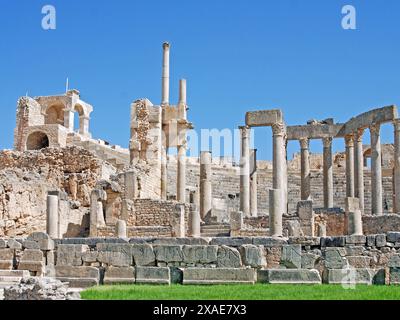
<point>120,229</point>
<point>376,170</point>
<point>275,213</point>
<point>165,75</point>
<point>305,169</point>
<point>182,99</point>
<point>253,185</point>
<point>353,216</point>
<point>349,140</point>
<point>396,173</point>
<point>279,162</point>
<point>84,125</point>
<point>164,173</point>
<point>194,221</point>
<point>181,176</point>
<point>69,120</point>
<point>236,218</point>
<point>177,221</point>
<point>245,171</point>
<point>96,211</point>
<point>52,216</point>
<point>205,184</point>
<point>359,168</point>
<point>328,173</point>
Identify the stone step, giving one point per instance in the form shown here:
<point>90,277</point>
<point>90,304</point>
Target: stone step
<point>14,273</point>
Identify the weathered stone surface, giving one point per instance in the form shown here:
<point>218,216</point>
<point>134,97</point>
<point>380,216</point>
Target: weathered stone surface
<point>3,244</point>
<point>359,262</point>
<point>175,241</point>
<point>273,256</point>
<point>32,255</point>
<point>153,275</point>
<point>334,258</point>
<point>356,239</point>
<point>351,276</point>
<point>309,260</point>
<point>200,254</point>
<point>33,266</point>
<point>70,254</point>
<point>231,242</point>
<point>6,254</point>
<point>143,255</point>
<point>176,275</point>
<point>333,242</point>
<point>14,244</point>
<point>253,256</point>
<point>116,275</point>
<point>46,244</point>
<point>393,236</point>
<point>228,257</point>
<point>268,241</point>
<point>282,276</point>
<point>78,277</point>
<point>218,276</point>
<point>394,275</point>
<point>28,244</point>
<point>291,256</point>
<point>394,261</point>
<point>39,289</point>
<point>37,236</point>
<point>371,240</point>
<point>115,247</point>
<point>90,256</point>
<point>168,254</point>
<point>354,250</point>
<point>305,241</point>
<point>380,240</point>
<point>117,259</point>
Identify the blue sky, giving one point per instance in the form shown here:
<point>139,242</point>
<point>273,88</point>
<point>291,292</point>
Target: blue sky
<point>236,56</point>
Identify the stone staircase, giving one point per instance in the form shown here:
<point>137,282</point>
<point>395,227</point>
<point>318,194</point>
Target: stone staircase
<point>116,156</point>
<point>216,230</point>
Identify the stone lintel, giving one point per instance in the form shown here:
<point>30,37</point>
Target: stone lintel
<point>317,131</point>
<point>264,118</point>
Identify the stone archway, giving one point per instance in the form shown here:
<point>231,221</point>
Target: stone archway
<point>55,115</point>
<point>37,140</point>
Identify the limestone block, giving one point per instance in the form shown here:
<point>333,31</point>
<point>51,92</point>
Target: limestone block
<point>203,276</point>
<point>291,256</point>
<point>46,244</point>
<point>153,275</point>
<point>6,264</point>
<point>263,118</point>
<point>176,275</point>
<point>200,254</point>
<point>28,244</point>
<point>359,262</point>
<point>32,255</point>
<point>119,275</point>
<point>309,260</point>
<point>354,250</point>
<point>231,242</point>
<point>90,256</point>
<point>268,241</point>
<point>117,259</point>
<point>393,236</point>
<point>348,276</point>
<point>253,256</point>
<point>70,254</point>
<point>371,240</point>
<point>178,241</point>
<point>228,258</point>
<point>334,258</point>
<point>394,261</point>
<point>333,242</point>
<point>305,241</point>
<point>125,248</point>
<point>78,277</point>
<point>3,244</point>
<point>14,244</point>
<point>32,266</point>
<point>292,276</point>
<point>168,253</point>
<point>380,240</point>
<point>294,228</point>
<point>356,239</point>
<point>394,275</point>
<point>36,236</point>
<point>50,257</point>
<point>273,256</point>
<point>143,255</point>
<point>6,254</point>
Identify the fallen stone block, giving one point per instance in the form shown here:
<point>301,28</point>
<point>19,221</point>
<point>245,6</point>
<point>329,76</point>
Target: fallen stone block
<point>218,276</point>
<point>168,254</point>
<point>349,276</point>
<point>119,275</point>
<point>356,239</point>
<point>78,277</point>
<point>290,276</point>
<point>335,258</point>
<point>35,267</point>
<point>116,259</point>
<point>32,255</point>
<point>71,254</point>
<point>309,260</point>
<point>14,244</point>
<point>200,254</point>
<point>291,256</point>
<point>143,255</point>
<point>115,247</point>
<point>153,275</point>
<point>29,244</point>
<point>359,262</point>
<point>253,256</point>
<point>228,257</point>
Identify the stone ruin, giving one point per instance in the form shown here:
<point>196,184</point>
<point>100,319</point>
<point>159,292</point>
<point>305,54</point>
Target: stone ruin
<point>86,212</point>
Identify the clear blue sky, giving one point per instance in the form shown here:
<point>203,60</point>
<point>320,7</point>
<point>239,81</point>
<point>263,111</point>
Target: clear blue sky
<point>236,56</point>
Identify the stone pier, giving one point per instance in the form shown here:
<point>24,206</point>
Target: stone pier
<point>396,175</point>
<point>253,183</point>
<point>359,168</point>
<point>52,216</point>
<point>349,140</point>
<point>328,172</point>
<point>305,169</point>
<point>205,184</point>
<point>353,216</point>
<point>120,229</point>
<point>245,171</point>
<point>376,170</point>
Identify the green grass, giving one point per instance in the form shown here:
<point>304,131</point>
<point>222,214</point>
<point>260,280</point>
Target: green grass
<point>242,292</point>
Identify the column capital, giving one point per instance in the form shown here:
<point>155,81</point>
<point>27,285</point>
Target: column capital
<point>304,143</point>
<point>349,140</point>
<point>278,129</point>
<point>358,134</point>
<point>327,142</point>
<point>375,128</point>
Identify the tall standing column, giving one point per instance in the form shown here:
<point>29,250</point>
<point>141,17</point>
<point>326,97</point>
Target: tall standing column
<point>245,171</point>
<point>376,170</point>
<point>164,173</point>
<point>181,176</point>
<point>165,75</point>
<point>396,175</point>
<point>52,216</point>
<point>253,183</point>
<point>349,140</point>
<point>328,173</point>
<point>205,184</point>
<point>305,169</point>
<point>359,168</point>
